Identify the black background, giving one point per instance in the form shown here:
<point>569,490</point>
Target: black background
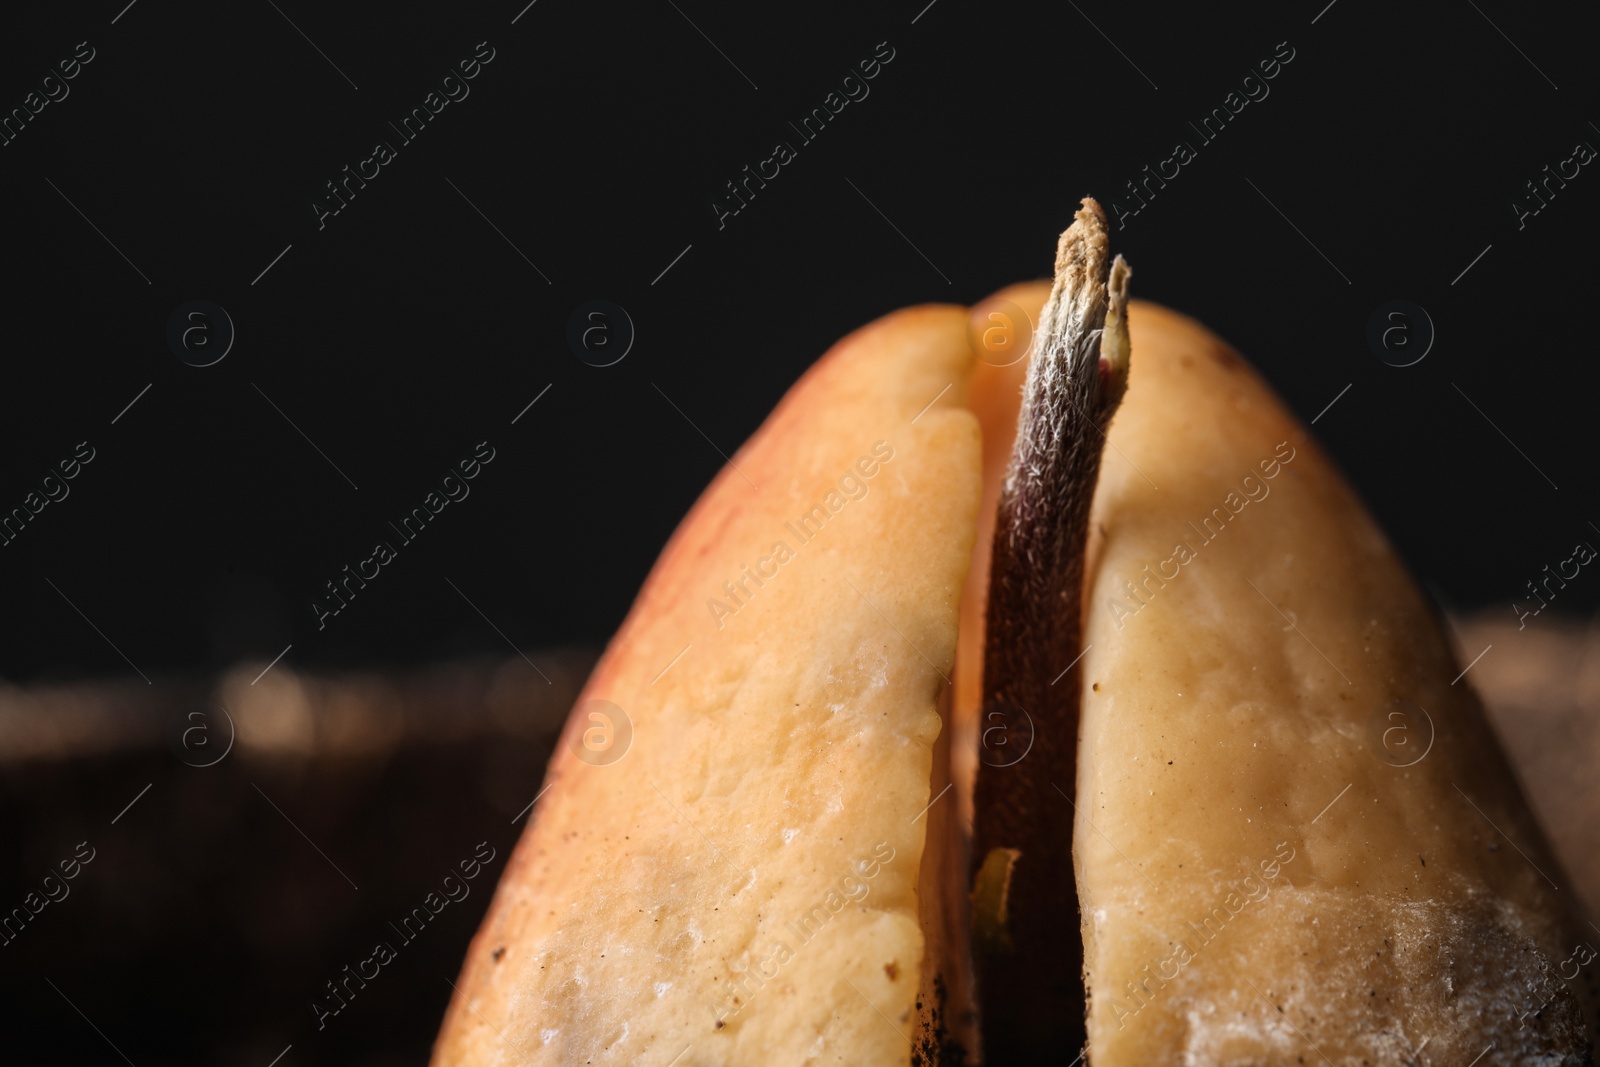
<point>408,329</point>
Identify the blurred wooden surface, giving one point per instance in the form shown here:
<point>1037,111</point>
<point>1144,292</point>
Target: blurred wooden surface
<point>1541,685</point>
<point>223,894</point>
